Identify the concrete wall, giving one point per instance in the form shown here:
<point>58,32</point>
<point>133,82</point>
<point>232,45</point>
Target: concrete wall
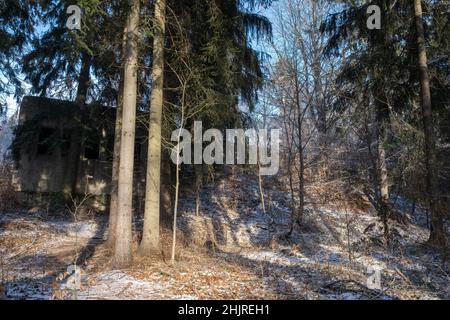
<point>45,172</point>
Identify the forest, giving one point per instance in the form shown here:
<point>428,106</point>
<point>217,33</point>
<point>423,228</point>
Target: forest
<point>224,150</point>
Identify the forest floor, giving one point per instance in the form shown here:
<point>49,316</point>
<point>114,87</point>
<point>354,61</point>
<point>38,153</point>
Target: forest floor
<point>230,250</point>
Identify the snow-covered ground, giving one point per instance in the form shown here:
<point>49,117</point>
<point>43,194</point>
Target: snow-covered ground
<point>239,253</point>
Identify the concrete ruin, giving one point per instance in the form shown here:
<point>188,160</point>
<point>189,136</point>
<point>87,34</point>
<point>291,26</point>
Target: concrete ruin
<point>45,141</point>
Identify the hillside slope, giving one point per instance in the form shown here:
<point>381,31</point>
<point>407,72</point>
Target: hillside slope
<point>231,250</point>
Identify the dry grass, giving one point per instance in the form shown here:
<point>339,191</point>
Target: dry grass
<point>198,272</point>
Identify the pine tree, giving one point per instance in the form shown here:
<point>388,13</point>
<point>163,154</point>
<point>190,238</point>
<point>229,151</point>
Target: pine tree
<point>123,235</point>
<point>150,237</point>
<point>18,22</point>
<point>438,234</point>
<point>226,68</point>
<point>375,58</point>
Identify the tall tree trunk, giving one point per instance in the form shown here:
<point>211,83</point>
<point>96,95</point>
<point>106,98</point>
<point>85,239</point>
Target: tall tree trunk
<point>150,236</point>
<point>76,136</point>
<point>122,252</point>
<point>382,38</point>
<point>177,187</point>
<point>301,172</point>
<point>382,172</point>
<point>116,153</point>
<point>83,81</point>
<point>437,234</point>
<point>319,106</point>
<point>288,132</point>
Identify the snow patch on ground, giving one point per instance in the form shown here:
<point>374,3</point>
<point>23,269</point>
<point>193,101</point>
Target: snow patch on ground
<point>326,257</point>
<point>114,285</point>
<point>81,229</point>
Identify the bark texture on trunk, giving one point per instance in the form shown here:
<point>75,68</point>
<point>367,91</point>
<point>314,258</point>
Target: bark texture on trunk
<point>437,234</point>
<point>383,183</point>
<point>116,154</point>
<point>383,37</point>
<point>150,237</point>
<point>301,172</point>
<point>122,250</point>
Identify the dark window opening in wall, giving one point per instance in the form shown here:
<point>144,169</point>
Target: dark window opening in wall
<point>137,151</point>
<point>65,145</point>
<point>44,140</point>
<point>92,150</point>
<point>110,148</point>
